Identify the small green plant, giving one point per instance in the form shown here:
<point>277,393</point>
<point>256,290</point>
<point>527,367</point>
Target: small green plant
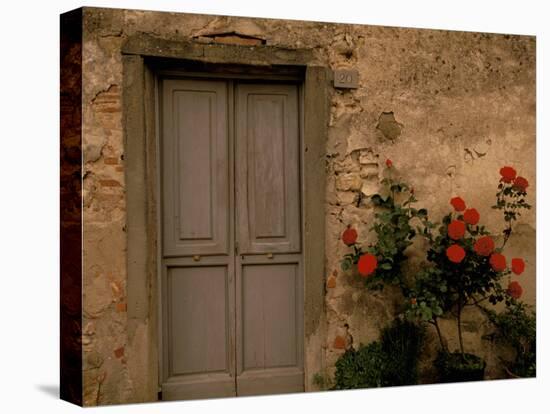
<point>321,381</point>
<point>391,361</point>
<point>360,369</point>
<point>517,326</point>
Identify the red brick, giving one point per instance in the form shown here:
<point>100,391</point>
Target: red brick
<point>108,109</point>
<point>109,183</point>
<point>121,307</point>
<point>339,342</point>
<point>119,352</point>
<point>331,283</point>
<point>110,161</point>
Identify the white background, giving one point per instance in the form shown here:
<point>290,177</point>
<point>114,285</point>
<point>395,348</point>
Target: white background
<point>29,206</point>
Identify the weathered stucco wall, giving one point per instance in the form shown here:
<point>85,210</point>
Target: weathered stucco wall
<point>449,108</point>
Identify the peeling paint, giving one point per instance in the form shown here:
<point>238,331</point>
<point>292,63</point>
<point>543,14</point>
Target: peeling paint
<point>390,128</point>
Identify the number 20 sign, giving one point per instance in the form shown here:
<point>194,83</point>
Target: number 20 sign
<point>346,78</point>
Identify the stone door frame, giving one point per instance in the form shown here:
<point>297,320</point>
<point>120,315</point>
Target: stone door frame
<point>142,56</point>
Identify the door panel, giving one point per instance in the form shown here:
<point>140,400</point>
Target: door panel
<point>269,328</point>
<point>267,168</point>
<point>269,316</point>
<point>196,168</point>
<point>198,324</point>
<point>198,304</point>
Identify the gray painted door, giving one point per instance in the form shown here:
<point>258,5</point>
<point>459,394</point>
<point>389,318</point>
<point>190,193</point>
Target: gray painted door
<point>268,267</point>
<point>232,285</point>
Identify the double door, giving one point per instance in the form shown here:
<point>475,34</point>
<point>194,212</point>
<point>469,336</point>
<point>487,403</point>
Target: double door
<point>232,283</point>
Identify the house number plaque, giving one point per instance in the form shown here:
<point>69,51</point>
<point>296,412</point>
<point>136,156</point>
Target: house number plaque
<point>346,78</point>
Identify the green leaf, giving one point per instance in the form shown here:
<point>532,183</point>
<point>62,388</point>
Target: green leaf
<point>426,313</point>
<point>422,212</point>
<point>346,264</point>
<point>386,266</point>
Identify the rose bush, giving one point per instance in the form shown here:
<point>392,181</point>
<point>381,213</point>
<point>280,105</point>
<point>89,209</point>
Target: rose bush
<point>463,265</point>
<point>382,262</point>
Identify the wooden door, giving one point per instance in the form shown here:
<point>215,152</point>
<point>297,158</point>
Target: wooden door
<point>231,264</point>
<point>198,284</point>
<point>269,283</point>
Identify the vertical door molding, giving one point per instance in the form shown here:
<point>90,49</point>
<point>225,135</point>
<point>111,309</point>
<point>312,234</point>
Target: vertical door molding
<point>316,105</point>
<point>139,126</point>
<point>316,113</point>
<point>136,191</point>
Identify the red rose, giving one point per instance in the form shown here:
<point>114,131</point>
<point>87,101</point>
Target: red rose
<point>508,174</point>
<point>458,203</point>
<point>367,264</point>
<point>349,236</point>
<point>498,262</point>
<point>471,216</point>
<point>413,301</point>
<point>389,163</point>
<point>521,184</point>
<point>515,290</point>
<point>455,253</point>
<point>456,229</point>
<point>518,265</point>
<point>484,246</point>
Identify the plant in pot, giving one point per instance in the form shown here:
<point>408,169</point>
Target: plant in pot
<point>516,326</point>
<point>463,266</point>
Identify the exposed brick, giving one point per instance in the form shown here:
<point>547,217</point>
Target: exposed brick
<point>339,342</point>
<point>335,273</point>
<point>121,307</point>
<point>238,40</point>
<point>110,161</point>
<point>119,352</point>
<point>111,199</point>
<point>108,109</point>
<point>331,283</point>
<point>109,183</point>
